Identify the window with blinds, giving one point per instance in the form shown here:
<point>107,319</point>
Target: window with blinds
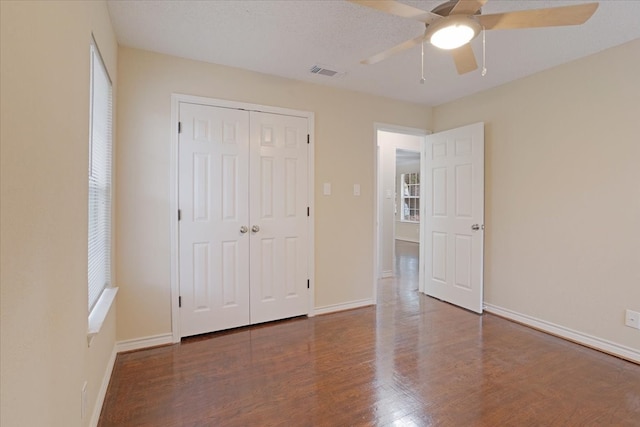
<point>410,197</point>
<point>100,142</point>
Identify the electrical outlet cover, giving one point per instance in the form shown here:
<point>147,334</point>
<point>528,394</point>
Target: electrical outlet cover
<point>632,319</point>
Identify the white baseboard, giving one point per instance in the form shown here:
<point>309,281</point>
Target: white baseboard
<point>387,273</point>
<point>566,333</point>
<point>145,342</point>
<point>102,392</point>
<point>344,306</point>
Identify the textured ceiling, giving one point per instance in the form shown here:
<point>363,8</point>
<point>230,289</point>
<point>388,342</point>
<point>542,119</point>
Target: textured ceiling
<point>286,38</point>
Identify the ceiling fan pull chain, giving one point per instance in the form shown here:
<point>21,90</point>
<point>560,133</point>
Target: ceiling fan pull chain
<point>422,64</point>
<point>484,53</point>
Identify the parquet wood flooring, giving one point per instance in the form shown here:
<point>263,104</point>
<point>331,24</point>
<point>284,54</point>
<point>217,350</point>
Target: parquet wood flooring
<point>409,361</point>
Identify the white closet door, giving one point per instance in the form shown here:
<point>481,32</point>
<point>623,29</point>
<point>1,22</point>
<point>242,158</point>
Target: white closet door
<point>453,177</point>
<point>278,200</point>
<point>214,203</point>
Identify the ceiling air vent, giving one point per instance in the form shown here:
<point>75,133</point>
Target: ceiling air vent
<point>323,70</point>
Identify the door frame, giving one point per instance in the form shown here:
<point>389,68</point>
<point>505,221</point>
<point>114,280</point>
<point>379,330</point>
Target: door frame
<point>377,126</point>
<point>176,99</point>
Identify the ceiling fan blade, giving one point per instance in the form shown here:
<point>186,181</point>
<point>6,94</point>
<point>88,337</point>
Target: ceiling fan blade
<point>399,9</point>
<point>467,7</point>
<point>464,59</point>
<point>399,48</point>
<point>549,17</point>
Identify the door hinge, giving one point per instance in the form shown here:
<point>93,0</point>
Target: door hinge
<point>179,301</point>
<point>307,210</point>
<point>179,214</point>
<point>308,283</point>
<point>308,139</point>
<point>179,127</point>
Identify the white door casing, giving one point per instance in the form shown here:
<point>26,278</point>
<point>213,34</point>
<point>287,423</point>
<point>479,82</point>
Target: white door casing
<point>453,173</point>
<point>278,207</point>
<point>244,226</point>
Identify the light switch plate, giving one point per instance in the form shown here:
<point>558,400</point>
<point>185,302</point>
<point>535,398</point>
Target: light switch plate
<point>326,189</point>
<point>356,189</point>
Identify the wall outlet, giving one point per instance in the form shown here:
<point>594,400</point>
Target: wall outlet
<point>83,401</point>
<point>632,319</point>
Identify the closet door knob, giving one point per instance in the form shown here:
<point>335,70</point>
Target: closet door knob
<point>244,229</point>
<point>255,228</point>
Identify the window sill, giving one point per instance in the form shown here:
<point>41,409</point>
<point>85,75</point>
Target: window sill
<point>99,312</point>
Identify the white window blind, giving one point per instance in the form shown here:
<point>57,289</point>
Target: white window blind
<point>100,142</point>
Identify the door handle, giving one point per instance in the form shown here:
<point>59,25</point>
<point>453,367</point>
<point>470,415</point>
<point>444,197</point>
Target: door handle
<point>255,228</point>
<point>476,227</point>
<point>244,229</point>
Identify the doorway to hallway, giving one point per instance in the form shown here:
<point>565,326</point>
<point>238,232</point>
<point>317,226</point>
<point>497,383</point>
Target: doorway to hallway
<point>398,192</point>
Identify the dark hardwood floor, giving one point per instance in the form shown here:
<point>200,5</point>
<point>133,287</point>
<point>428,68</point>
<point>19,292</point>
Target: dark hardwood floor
<point>410,361</point>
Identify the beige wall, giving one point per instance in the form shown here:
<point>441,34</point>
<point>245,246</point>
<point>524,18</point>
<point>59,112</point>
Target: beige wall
<point>344,155</point>
<point>563,192</point>
<point>44,154</point>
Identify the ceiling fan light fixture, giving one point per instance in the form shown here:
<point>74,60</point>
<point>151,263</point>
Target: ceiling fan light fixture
<point>453,36</point>
<point>453,31</point>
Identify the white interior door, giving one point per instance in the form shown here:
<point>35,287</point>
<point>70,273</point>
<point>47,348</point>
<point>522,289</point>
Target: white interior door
<point>214,204</point>
<point>453,173</point>
<point>279,217</point>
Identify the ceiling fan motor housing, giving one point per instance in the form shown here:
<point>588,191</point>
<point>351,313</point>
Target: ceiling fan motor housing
<point>445,8</point>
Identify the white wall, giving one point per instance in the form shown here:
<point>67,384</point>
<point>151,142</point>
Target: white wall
<point>44,134</point>
<point>563,192</point>
<point>388,143</point>
<point>344,155</point>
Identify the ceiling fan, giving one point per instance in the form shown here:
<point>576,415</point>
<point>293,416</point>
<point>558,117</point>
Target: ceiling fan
<point>452,25</point>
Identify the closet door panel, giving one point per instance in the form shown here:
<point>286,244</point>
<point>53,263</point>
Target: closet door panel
<point>278,216</point>
<point>213,188</point>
